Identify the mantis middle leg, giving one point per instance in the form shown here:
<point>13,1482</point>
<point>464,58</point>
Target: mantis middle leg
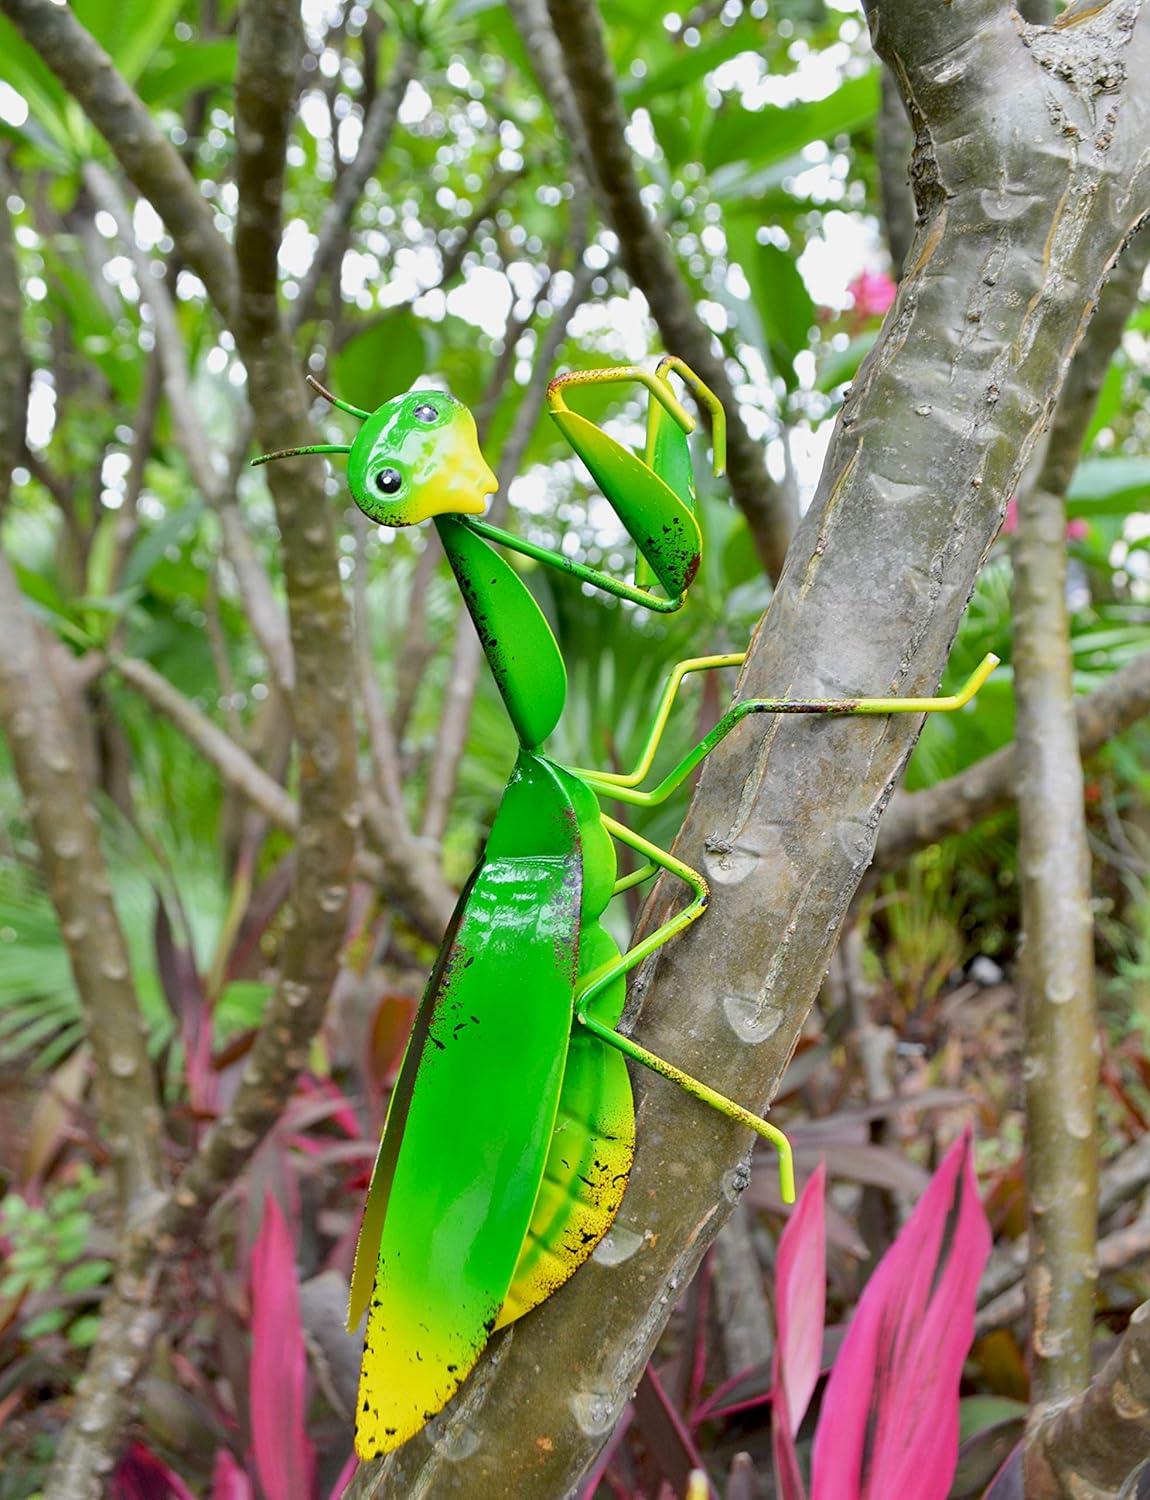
<point>624,789</point>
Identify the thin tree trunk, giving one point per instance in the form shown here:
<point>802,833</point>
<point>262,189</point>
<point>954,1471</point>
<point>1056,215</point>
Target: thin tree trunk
<point>1057,961</point>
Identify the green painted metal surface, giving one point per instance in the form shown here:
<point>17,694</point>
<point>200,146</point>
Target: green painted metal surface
<point>662,527</point>
<point>509,1137</point>
<point>516,639</point>
<point>472,1116</point>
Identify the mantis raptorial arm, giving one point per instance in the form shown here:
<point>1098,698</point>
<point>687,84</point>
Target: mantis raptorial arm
<point>598,981</point>
<point>624,791</point>
<point>653,497</point>
<point>629,591</point>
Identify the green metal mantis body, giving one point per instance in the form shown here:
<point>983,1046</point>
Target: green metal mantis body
<point>510,1131</point>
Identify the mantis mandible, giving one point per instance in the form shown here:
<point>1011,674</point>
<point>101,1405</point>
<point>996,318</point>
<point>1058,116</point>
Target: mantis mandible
<point>511,1128</point>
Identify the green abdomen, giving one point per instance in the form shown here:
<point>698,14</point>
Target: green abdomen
<point>594,1139</point>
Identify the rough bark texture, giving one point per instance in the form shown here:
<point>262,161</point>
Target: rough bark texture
<point>649,260</point>
<point>916,819</point>
<point>893,145</point>
<point>1087,1448</point>
<point>1031,173</point>
<point>1057,968</point>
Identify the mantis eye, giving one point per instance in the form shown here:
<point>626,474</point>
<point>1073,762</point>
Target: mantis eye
<point>425,412</point>
<point>389,481</point>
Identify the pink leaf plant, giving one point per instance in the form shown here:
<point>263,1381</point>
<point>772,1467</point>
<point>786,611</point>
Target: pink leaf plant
<point>888,1424</point>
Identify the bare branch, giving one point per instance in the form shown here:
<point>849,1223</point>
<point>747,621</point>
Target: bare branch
<point>546,55</point>
<point>917,819</point>
<point>336,226</point>
<point>1122,1179</point>
<point>1057,959</point>
<point>407,870</point>
<point>232,761</point>
<point>148,158</point>
<point>1115,1251</point>
<point>1089,1447</point>
<point>270,48</point>
<point>649,260</point>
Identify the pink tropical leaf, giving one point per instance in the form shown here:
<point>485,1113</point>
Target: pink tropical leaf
<point>140,1475</point>
<point>889,1419</point>
<point>277,1379</point>
<point>800,1308</point>
<point>229,1482</point>
<point>344,1478</point>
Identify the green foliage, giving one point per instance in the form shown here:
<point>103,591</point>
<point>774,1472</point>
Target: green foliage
<point>49,1268</point>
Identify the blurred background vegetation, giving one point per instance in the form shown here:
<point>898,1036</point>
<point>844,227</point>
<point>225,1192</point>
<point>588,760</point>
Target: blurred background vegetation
<point>476,261</point>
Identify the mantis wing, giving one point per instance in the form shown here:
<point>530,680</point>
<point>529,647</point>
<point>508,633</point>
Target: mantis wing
<point>471,1120</point>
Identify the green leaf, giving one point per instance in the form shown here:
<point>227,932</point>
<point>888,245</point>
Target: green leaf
<point>1109,400</point>
<point>780,298</point>
<point>769,135</point>
<point>131,30</point>
<point>189,69</point>
<point>85,1276</point>
<point>153,545</point>
<point>385,360</point>
<point>50,1321</point>
<point>841,365</point>
<point>82,1331</point>
<point>1113,486</point>
<point>693,63</point>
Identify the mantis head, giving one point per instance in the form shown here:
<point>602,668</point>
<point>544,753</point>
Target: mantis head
<point>415,457</point>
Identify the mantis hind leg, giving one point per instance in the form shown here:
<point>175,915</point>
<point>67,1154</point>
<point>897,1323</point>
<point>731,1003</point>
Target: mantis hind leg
<point>591,993</point>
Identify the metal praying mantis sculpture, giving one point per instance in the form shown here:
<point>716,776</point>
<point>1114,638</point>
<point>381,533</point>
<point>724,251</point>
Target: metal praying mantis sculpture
<point>511,1128</point>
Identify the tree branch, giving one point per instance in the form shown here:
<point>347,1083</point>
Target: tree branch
<point>1087,1448</point>
<point>335,228</point>
<point>647,256</point>
<point>917,819</point>
<point>270,49</point>
<point>1057,969</point>
<point>232,761</point>
<point>1116,1250</point>
<point>1001,1295</point>
<point>931,442</point>
<point>55,792</point>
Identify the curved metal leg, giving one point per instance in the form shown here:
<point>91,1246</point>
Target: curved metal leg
<point>600,979</point>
